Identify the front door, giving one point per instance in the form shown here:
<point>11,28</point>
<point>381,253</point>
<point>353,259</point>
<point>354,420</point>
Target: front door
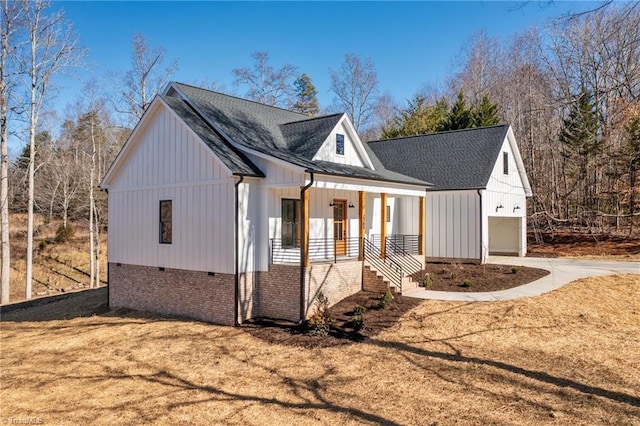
<point>340,226</point>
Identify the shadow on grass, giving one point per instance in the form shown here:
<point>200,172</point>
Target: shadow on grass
<point>540,376</point>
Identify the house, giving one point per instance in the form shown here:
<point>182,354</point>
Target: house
<point>477,205</point>
<point>224,209</point>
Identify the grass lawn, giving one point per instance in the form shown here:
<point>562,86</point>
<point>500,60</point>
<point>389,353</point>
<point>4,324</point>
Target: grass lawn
<point>567,357</point>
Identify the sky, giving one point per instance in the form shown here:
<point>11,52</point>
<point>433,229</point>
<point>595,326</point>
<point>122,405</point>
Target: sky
<point>410,43</point>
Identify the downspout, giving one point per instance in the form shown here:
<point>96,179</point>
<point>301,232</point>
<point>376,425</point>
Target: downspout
<point>236,286</point>
<point>106,190</point>
<point>481,246</point>
<point>303,248</point>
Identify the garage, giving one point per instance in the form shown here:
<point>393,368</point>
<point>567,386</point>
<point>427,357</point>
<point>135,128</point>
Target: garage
<point>505,235</point>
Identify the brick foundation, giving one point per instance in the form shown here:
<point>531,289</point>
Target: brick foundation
<point>172,291</point>
<point>336,281</point>
<point>279,292</point>
<point>268,294</point>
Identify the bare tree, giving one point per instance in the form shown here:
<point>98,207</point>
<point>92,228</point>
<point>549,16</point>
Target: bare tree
<point>52,46</point>
<point>355,85</point>
<point>265,84</point>
<point>9,14</point>
<point>146,77</point>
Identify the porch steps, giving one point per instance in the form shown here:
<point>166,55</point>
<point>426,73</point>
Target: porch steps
<point>373,280</point>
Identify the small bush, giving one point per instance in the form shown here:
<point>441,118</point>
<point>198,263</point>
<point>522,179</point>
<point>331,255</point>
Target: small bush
<point>427,282</point>
<point>64,233</point>
<point>515,269</point>
<point>386,299</point>
<point>466,283</point>
<point>42,244</point>
<point>359,310</point>
<point>320,322</point>
<point>357,322</point>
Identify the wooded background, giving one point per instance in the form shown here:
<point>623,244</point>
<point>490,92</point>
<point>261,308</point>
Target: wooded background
<point>570,91</point>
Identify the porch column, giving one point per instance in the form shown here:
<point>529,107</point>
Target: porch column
<point>421,225</point>
<point>305,228</point>
<point>383,224</point>
<point>362,209</point>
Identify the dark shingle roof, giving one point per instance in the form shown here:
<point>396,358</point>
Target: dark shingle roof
<point>236,161</point>
<point>461,159</point>
<point>286,135</point>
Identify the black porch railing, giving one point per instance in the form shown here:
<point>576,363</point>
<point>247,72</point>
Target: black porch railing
<point>320,250</point>
<point>389,268</point>
<point>410,265</point>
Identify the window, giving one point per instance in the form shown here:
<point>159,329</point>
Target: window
<point>165,221</point>
<point>290,223</point>
<point>505,163</point>
<point>388,213</point>
<point>339,144</point>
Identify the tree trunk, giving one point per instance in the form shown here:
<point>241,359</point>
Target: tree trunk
<point>4,167</point>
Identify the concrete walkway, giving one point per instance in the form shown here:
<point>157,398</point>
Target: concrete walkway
<point>562,271</point>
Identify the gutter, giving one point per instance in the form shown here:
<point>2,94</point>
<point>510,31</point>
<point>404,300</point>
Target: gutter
<point>481,214</point>
<point>236,284</point>
<point>303,247</point>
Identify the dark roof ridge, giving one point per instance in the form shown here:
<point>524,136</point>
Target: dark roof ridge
<point>238,97</point>
<point>440,133</point>
<point>313,118</point>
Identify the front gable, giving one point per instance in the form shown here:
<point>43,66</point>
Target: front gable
<point>351,150</point>
<point>508,174</point>
<point>162,150</point>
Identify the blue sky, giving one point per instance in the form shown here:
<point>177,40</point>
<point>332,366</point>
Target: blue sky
<point>411,43</point>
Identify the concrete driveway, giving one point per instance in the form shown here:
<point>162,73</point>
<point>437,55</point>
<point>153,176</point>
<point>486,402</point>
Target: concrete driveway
<point>562,271</point>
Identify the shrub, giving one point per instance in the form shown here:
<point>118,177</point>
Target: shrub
<point>64,233</point>
<point>427,282</point>
<point>515,269</point>
<point>320,322</point>
<point>386,299</point>
<point>466,283</point>
<point>42,244</point>
<point>359,310</point>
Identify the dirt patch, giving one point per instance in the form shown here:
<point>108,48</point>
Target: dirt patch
<point>479,278</point>
<point>580,244</point>
<point>375,320</point>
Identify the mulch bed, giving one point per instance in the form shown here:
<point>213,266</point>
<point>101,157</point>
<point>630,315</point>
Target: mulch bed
<point>480,278</point>
<point>342,332</point>
<point>445,277</point>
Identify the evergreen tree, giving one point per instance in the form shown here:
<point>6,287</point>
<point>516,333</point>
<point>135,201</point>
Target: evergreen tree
<point>459,117</point>
<point>581,147</point>
<point>485,114</point>
<point>306,96</point>
<point>418,118</point>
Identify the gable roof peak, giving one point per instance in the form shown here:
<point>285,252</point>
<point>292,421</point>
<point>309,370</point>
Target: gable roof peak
<point>191,86</point>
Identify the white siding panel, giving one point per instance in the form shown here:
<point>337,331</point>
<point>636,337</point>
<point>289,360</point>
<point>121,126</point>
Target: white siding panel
<point>168,162</point>
<point>452,223</point>
<point>327,151</point>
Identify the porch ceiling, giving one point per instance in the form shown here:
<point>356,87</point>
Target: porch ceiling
<point>369,186</point>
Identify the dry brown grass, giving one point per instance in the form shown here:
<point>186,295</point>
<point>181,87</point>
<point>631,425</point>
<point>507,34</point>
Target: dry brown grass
<point>567,357</point>
<point>57,267</point>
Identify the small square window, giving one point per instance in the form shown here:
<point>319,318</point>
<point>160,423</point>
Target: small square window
<point>339,144</point>
<point>166,225</point>
<point>505,163</point>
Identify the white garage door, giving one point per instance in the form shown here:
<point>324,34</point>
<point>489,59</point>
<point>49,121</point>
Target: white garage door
<point>504,235</point>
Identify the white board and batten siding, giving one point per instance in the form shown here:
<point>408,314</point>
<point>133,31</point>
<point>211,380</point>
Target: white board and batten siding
<point>453,225</point>
<point>505,206</point>
<point>353,151</point>
<point>169,162</point>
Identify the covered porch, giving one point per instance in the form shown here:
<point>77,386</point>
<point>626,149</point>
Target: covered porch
<point>333,220</point>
